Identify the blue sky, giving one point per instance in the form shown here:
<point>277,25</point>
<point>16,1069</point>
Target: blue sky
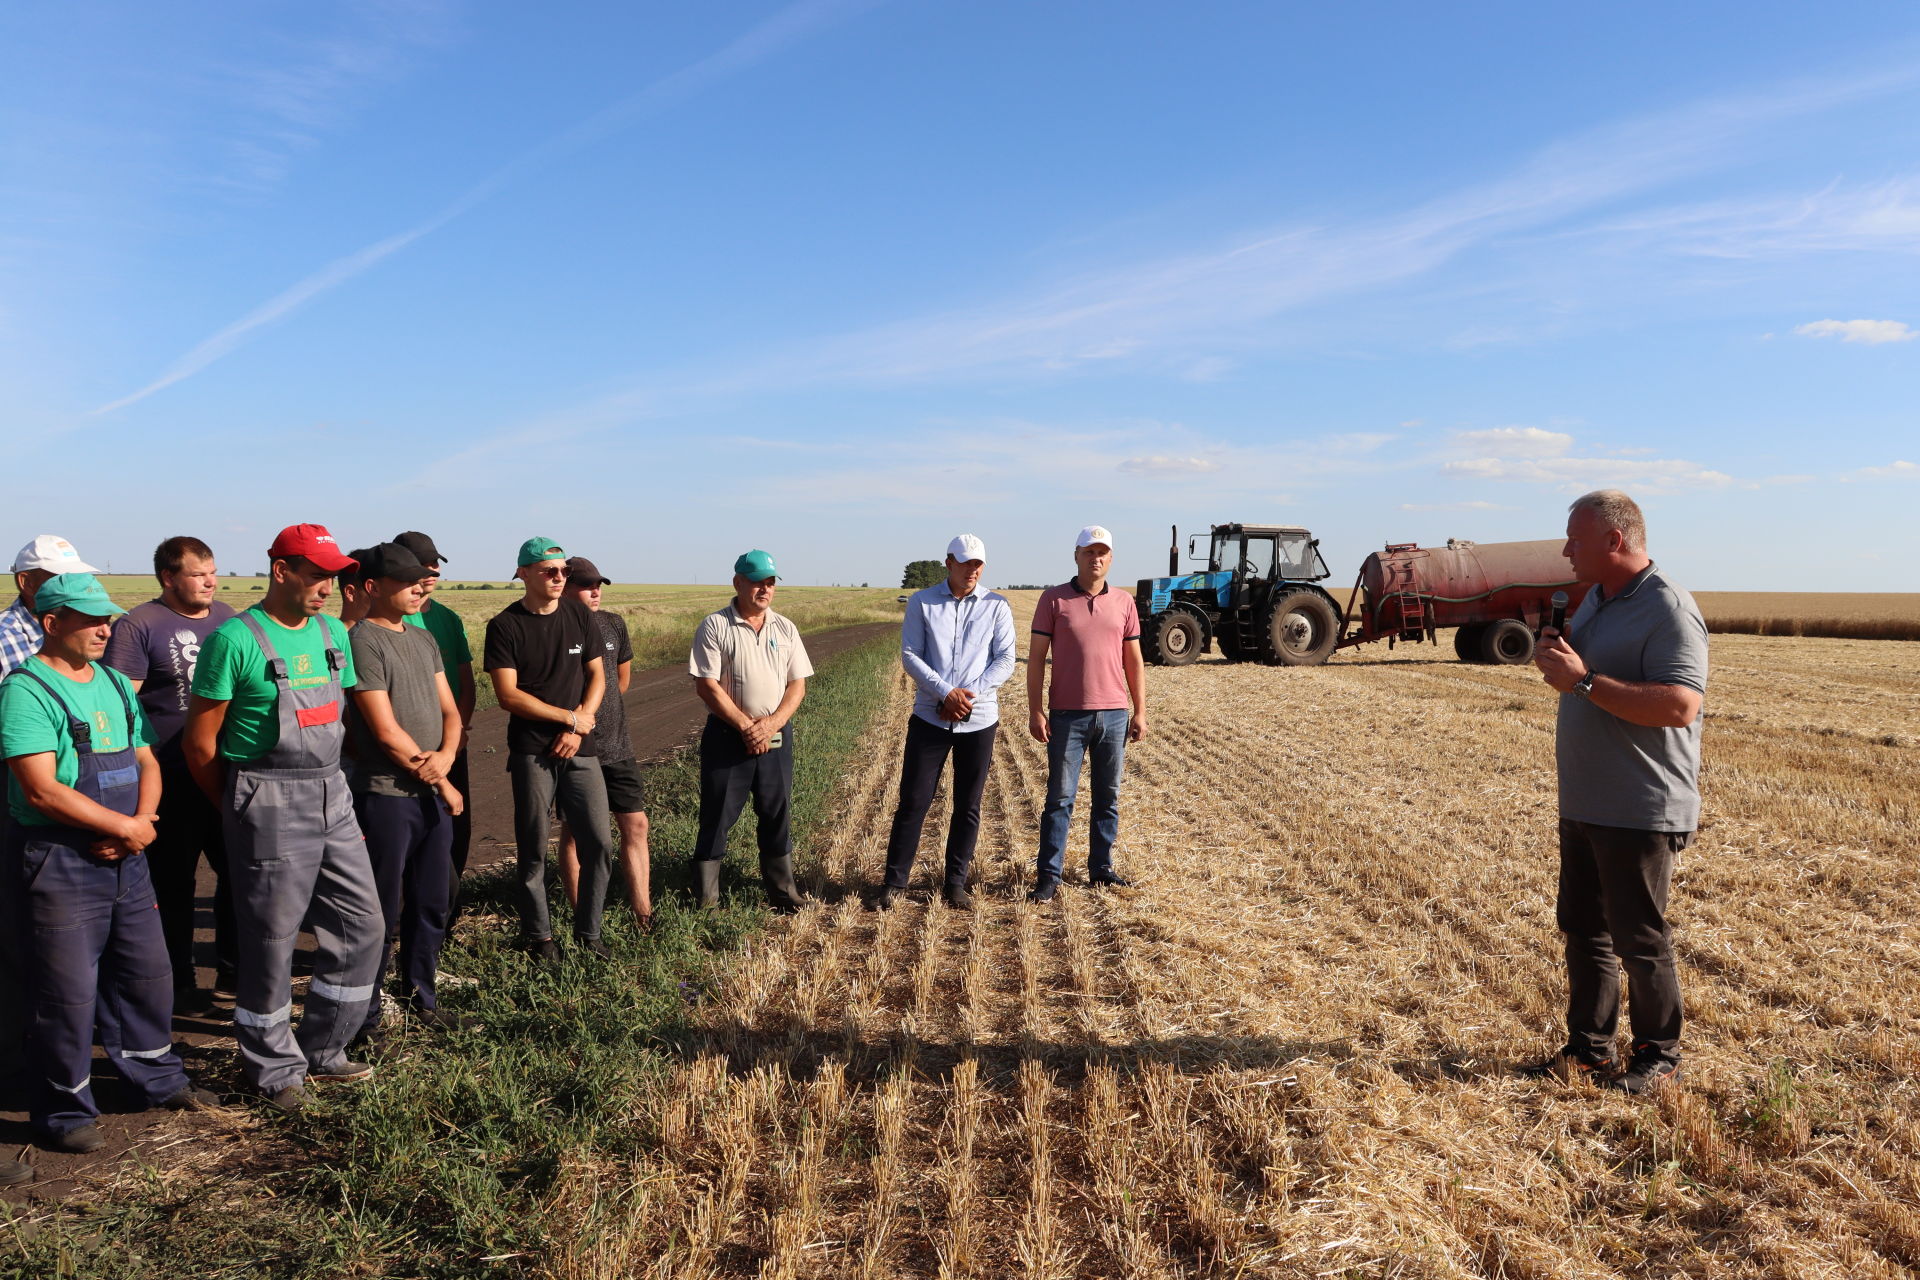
<point>842,279</point>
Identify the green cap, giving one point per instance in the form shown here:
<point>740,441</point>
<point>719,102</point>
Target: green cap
<point>756,566</point>
<point>80,592</point>
<point>534,550</point>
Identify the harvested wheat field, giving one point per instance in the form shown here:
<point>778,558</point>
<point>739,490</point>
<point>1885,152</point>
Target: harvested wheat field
<point>1289,1051</point>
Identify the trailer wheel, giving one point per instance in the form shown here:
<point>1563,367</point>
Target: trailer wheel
<point>1466,642</point>
<point>1173,639</point>
<point>1508,643</point>
<point>1302,629</point>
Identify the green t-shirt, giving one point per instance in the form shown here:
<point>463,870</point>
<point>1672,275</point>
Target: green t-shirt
<point>31,722</point>
<point>444,625</point>
<point>234,671</point>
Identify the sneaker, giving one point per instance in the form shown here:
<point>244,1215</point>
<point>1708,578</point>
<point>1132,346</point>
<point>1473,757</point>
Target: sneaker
<point>544,951</point>
<point>957,897</point>
<point>1045,891</point>
<point>78,1142</point>
<point>191,1098</point>
<point>1569,1065</point>
<point>1649,1072</point>
<point>442,1019</point>
<point>1111,880</point>
<point>288,1100</point>
<point>15,1172</point>
<point>888,897</point>
<point>594,947</point>
<point>345,1073</point>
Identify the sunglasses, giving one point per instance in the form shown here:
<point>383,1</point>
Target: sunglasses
<point>557,572</point>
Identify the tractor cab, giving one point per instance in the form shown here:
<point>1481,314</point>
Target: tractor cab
<point>1255,600</point>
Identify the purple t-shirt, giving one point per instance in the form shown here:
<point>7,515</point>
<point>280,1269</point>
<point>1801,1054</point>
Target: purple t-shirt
<point>154,644</point>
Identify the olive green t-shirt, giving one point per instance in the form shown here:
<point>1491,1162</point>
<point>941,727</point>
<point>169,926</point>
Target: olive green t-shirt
<point>233,670</point>
<point>33,722</point>
<point>444,625</point>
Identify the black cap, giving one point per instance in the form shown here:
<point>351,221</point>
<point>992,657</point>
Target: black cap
<point>392,560</point>
<point>356,573</point>
<point>421,546</point>
<point>582,573</point>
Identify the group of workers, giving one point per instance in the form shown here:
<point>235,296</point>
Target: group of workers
<point>319,766</point>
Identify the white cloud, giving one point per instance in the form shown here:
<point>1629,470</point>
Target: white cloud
<point>1515,442</point>
<point>1455,506</point>
<point>1161,465</point>
<point>1899,470</point>
<point>1869,332</point>
<point>1576,474</point>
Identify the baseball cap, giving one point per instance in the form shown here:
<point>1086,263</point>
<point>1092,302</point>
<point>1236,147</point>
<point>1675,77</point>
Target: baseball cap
<point>53,553</point>
<point>756,566</point>
<point>311,542</point>
<point>582,572</point>
<point>80,592</point>
<point>967,547</point>
<point>534,550</point>
<point>421,546</point>
<point>1094,533</point>
<point>391,560</point>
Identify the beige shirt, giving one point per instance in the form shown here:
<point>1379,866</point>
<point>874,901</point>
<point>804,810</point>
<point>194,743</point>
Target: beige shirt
<point>753,667</point>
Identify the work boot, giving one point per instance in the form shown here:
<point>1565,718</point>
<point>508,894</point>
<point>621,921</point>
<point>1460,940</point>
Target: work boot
<point>887,898</point>
<point>80,1141</point>
<point>708,872</point>
<point>190,1098</point>
<point>958,898</point>
<point>15,1172</point>
<point>783,895</point>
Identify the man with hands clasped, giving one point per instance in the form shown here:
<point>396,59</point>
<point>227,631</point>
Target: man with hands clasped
<point>750,668</point>
<point>83,793</point>
<point>1631,671</point>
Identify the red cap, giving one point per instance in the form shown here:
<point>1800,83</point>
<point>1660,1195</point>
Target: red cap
<point>314,543</point>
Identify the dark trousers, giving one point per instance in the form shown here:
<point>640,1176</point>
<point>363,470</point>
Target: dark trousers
<point>189,826</point>
<point>14,1072</point>
<point>97,963</point>
<point>728,775</point>
<point>1613,909</point>
<point>409,844</point>
<point>462,832</point>
<point>541,782</point>
<point>927,748</point>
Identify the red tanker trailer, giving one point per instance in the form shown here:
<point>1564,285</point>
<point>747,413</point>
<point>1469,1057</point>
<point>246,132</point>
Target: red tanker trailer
<point>1496,594</point>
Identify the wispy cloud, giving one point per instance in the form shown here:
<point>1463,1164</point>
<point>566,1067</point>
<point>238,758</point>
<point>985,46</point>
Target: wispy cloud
<point>785,28</point>
<point>1455,506</point>
<point>1162,465</point>
<point>1515,442</point>
<point>1897,470</point>
<point>1531,455</point>
<point>1871,333</point>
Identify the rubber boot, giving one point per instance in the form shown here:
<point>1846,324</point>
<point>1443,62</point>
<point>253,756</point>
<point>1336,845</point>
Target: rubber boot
<point>708,872</point>
<point>783,895</point>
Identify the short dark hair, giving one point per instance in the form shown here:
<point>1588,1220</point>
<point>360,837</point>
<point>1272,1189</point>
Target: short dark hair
<point>171,554</point>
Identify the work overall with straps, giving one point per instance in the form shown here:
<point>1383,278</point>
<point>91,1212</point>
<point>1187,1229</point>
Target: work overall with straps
<point>295,855</point>
<point>97,958</point>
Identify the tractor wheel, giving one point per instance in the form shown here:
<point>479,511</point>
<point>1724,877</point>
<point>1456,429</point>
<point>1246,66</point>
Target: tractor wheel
<point>1466,642</point>
<point>1173,639</point>
<point>1302,629</point>
<point>1507,643</point>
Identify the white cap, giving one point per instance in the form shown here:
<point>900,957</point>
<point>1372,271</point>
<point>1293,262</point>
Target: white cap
<point>967,547</point>
<point>1094,533</point>
<point>52,553</point>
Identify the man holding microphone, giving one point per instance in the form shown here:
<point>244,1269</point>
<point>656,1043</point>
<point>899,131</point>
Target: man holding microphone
<point>1631,671</point>
<point>956,643</point>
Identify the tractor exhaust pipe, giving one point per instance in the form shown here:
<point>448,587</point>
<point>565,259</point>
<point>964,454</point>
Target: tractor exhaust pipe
<point>1173,552</point>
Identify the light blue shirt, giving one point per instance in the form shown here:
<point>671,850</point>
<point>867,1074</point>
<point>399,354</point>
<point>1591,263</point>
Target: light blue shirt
<point>964,642</point>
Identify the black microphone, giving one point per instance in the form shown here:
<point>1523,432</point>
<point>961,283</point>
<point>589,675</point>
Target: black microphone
<point>1559,621</point>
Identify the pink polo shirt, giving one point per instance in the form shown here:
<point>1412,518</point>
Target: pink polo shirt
<point>1089,637</point>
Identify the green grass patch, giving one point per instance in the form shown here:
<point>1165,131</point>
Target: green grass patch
<point>440,1165</point>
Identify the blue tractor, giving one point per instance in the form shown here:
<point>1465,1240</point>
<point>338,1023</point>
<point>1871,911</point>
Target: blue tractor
<point>1258,600</point>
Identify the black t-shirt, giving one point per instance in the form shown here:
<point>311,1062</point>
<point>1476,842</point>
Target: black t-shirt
<point>549,653</point>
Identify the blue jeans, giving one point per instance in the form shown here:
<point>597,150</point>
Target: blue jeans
<point>1072,736</point>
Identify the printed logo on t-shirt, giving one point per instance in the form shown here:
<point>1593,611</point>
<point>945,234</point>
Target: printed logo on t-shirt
<point>183,653</point>
<point>303,664</point>
<point>100,723</point>
<point>575,649</point>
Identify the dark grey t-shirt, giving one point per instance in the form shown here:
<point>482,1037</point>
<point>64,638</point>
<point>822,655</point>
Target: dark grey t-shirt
<point>610,740</point>
<point>401,664</point>
<point>1616,774</point>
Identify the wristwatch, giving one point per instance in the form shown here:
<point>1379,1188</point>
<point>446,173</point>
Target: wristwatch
<point>1583,687</point>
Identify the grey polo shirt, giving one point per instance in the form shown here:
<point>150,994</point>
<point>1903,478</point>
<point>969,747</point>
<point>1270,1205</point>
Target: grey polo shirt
<point>754,667</point>
<point>1616,774</point>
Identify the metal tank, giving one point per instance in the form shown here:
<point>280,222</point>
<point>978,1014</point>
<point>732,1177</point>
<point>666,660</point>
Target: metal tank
<point>1497,595</point>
